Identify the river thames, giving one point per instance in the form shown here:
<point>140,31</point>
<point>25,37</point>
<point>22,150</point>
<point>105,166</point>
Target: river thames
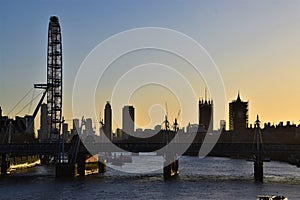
<point>208,178</point>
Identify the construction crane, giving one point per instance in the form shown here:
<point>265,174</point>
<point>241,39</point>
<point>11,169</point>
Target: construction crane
<point>166,122</point>
<point>176,125</point>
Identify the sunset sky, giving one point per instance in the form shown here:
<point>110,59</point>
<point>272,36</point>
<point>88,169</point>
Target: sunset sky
<point>255,45</point>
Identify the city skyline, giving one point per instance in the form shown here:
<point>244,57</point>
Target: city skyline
<point>108,118</point>
<point>258,59</point>
<point>151,99</point>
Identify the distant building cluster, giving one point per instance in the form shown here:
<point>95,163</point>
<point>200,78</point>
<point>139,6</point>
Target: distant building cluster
<point>86,128</point>
<point>239,128</point>
<point>238,115</point>
<point>19,130</point>
<point>127,123</point>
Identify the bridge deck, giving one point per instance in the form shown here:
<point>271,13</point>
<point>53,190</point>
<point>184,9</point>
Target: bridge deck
<point>93,148</point>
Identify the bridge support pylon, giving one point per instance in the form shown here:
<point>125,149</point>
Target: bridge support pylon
<point>64,170</point>
<point>81,165</point>
<point>4,164</point>
<point>258,161</point>
<point>102,166</point>
<point>258,171</point>
<point>171,166</point>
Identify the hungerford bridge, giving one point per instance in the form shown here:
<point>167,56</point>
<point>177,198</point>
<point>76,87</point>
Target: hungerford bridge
<point>79,152</point>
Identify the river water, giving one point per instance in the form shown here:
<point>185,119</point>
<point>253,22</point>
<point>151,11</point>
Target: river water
<point>208,178</point>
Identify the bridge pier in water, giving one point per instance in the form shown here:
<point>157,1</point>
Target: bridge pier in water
<point>4,164</point>
<point>258,171</point>
<point>259,159</point>
<point>81,165</point>
<point>69,170</point>
<point>65,170</point>
<point>171,166</point>
<point>102,166</point>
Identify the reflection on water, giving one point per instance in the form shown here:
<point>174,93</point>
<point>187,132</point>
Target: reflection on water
<point>208,178</point>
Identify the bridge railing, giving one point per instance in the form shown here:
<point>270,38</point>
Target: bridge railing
<point>30,148</point>
<point>93,148</point>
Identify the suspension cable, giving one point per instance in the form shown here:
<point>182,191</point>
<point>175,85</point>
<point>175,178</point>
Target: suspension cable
<point>20,101</point>
<point>30,102</point>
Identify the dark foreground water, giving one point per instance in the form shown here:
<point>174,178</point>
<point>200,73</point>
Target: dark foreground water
<point>208,178</point>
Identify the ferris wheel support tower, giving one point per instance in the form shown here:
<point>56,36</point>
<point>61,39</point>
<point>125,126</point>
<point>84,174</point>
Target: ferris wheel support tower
<point>54,78</point>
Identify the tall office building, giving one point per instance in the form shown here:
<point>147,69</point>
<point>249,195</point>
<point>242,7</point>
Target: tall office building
<point>206,114</point>
<point>89,126</point>
<point>108,120</point>
<point>238,114</point>
<point>44,132</point>
<point>76,127</point>
<point>65,129</point>
<point>128,120</point>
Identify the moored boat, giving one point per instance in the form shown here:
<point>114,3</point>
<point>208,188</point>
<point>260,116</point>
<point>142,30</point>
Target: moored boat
<point>271,197</point>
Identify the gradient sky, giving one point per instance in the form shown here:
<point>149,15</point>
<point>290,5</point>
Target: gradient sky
<point>255,44</point>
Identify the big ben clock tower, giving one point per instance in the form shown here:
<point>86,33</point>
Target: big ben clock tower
<point>238,114</point>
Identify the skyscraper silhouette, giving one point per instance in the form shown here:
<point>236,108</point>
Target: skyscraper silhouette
<point>108,120</point>
<point>238,114</point>
<point>89,126</point>
<point>43,133</point>
<point>128,120</point>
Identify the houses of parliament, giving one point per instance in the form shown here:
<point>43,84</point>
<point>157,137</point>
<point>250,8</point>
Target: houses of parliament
<point>240,131</point>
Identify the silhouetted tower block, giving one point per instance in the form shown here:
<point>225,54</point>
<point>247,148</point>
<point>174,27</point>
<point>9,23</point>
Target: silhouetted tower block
<point>65,129</point>
<point>128,120</point>
<point>44,124</point>
<point>76,124</point>
<point>75,129</point>
<point>238,114</point>
<point>44,117</point>
<point>108,120</point>
<point>206,114</point>
<point>54,77</point>
<point>89,126</point>
<point>0,112</point>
